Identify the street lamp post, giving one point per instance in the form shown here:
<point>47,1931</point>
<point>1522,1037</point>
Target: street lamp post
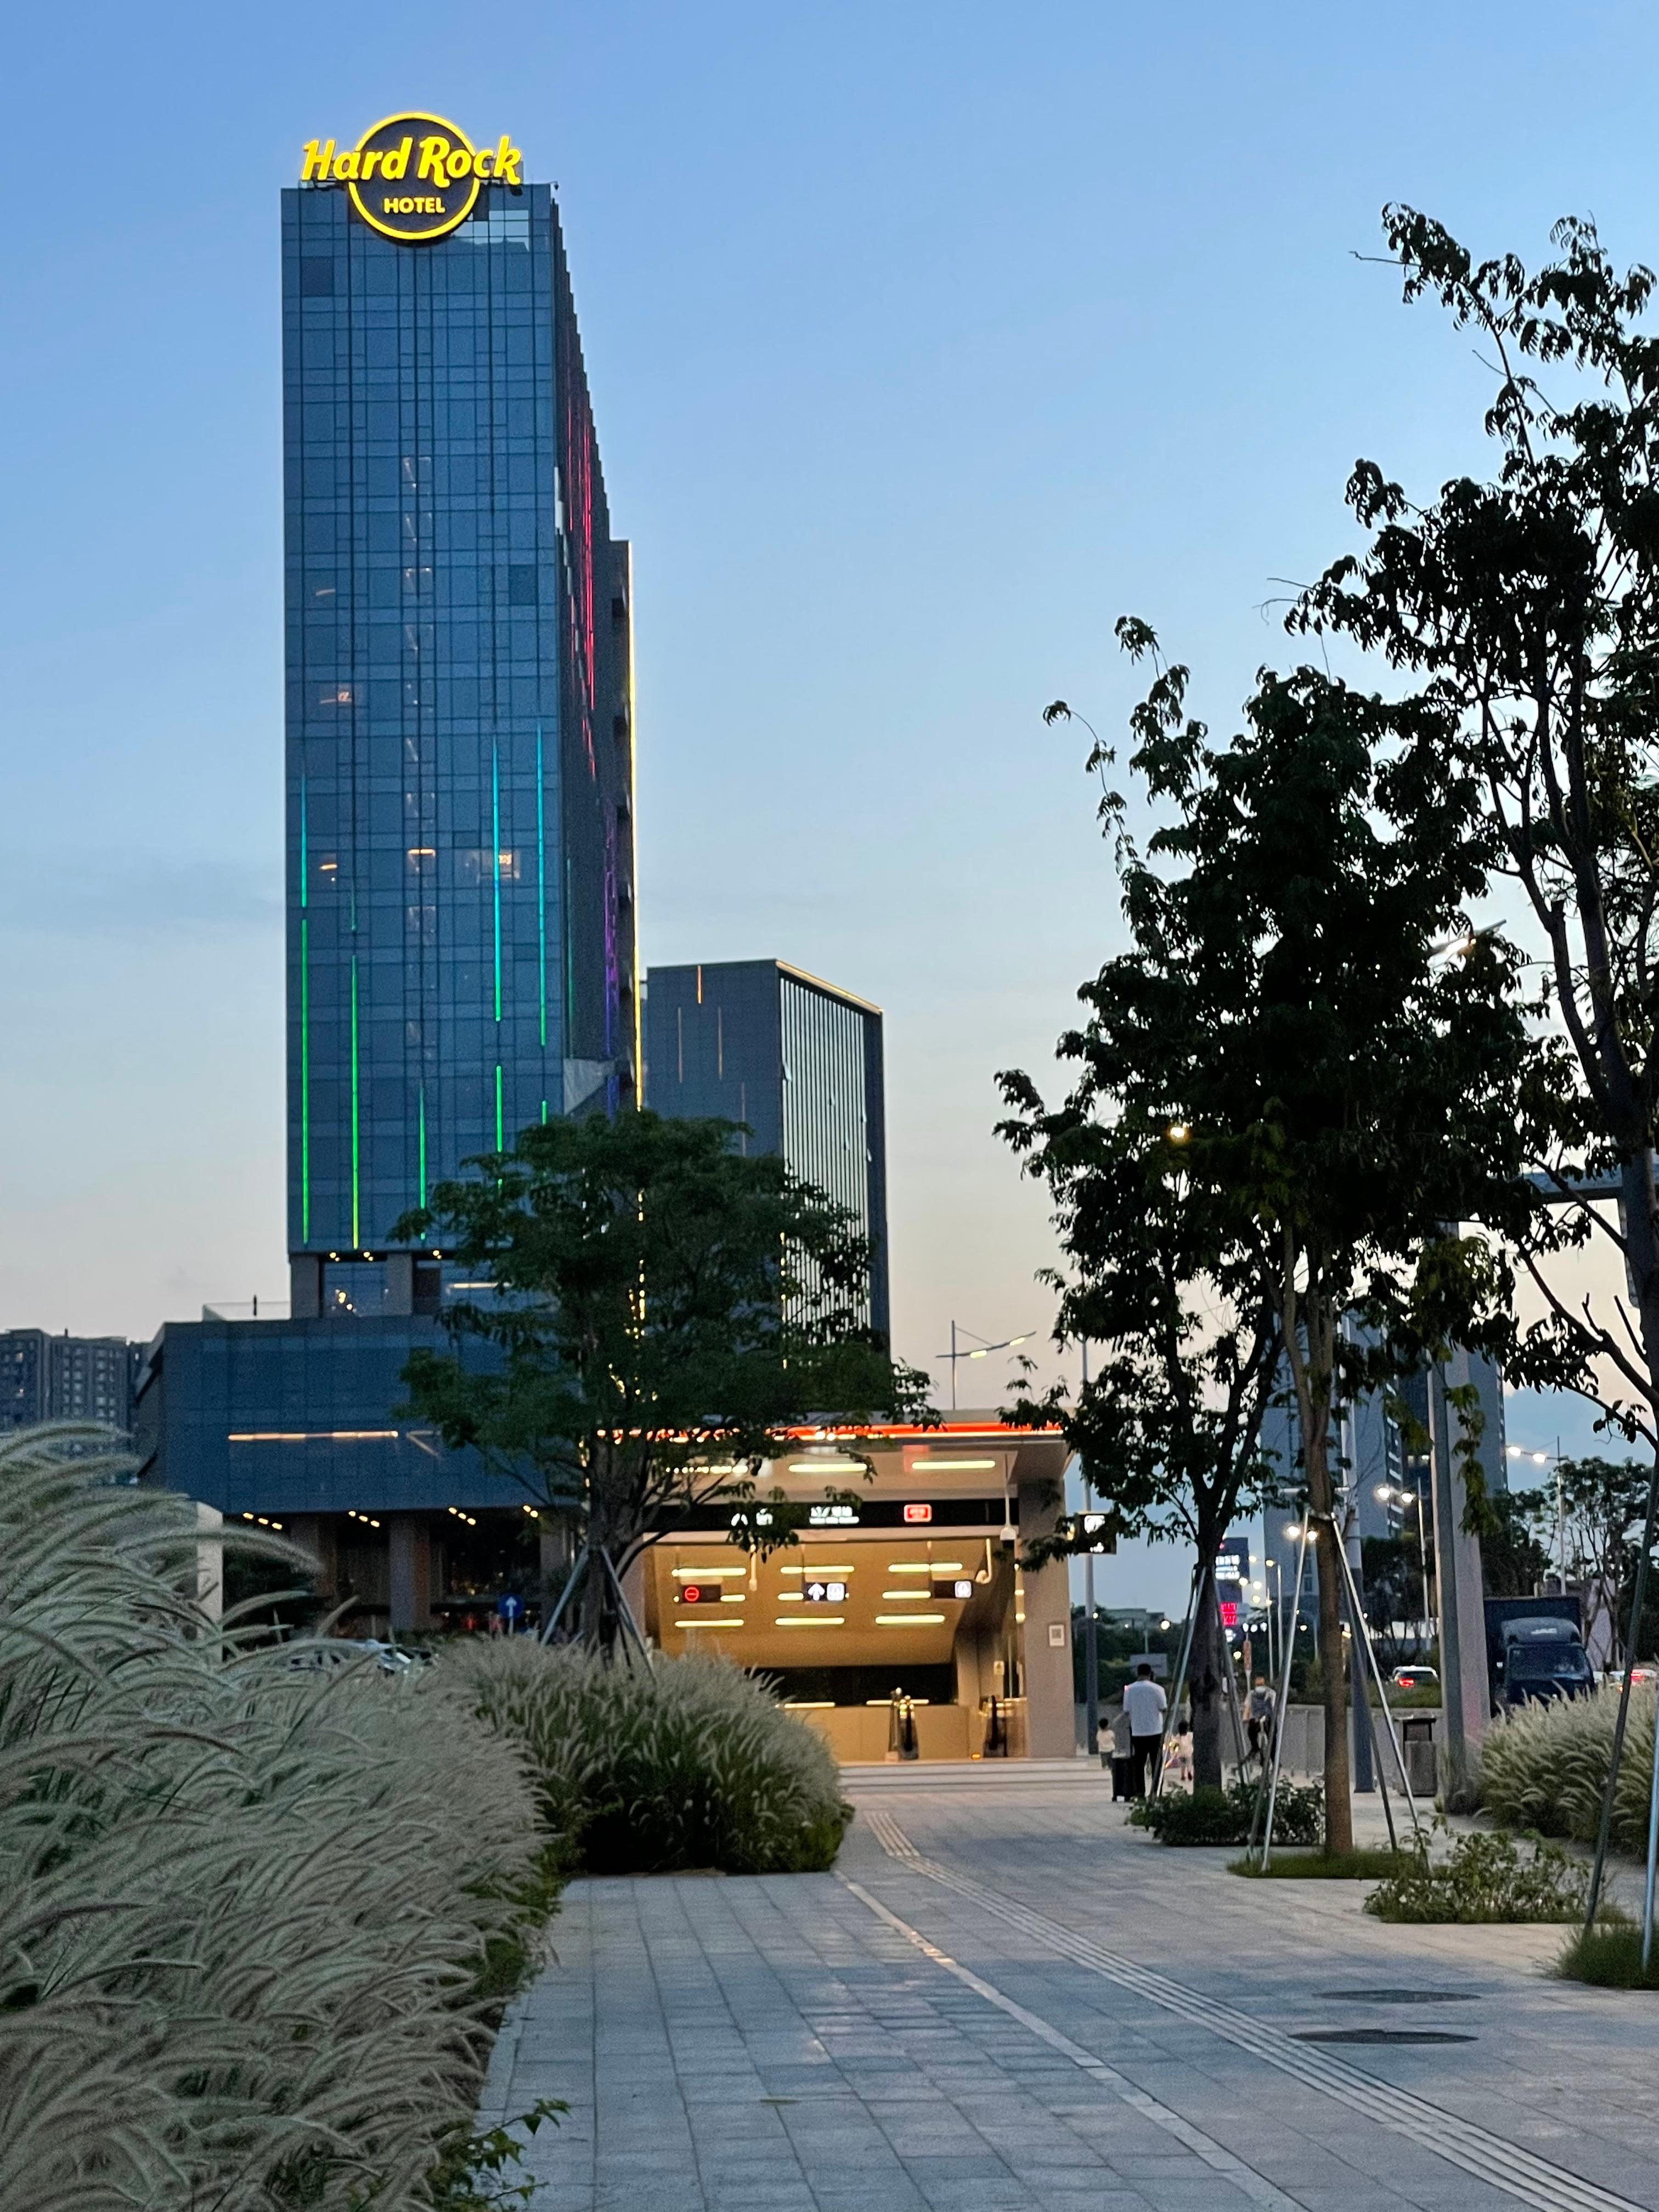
<point>1392,1494</point>
<point>1090,1634</point>
<point>979,1349</point>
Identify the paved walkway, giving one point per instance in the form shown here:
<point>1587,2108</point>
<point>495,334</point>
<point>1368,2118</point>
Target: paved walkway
<point>1004,1999</point>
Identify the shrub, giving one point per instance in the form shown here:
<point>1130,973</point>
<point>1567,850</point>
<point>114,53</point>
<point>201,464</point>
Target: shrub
<point>1545,1765</point>
<point>1486,1878</point>
<point>244,1911</point>
<point>691,1764</point>
<point>1224,1816</point>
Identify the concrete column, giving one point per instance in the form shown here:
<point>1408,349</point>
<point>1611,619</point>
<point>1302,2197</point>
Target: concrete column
<point>211,1561</point>
<point>305,1286</point>
<point>409,1563</point>
<point>1050,1716</point>
<point>400,1283</point>
<point>315,1534</point>
<point>1463,1681</point>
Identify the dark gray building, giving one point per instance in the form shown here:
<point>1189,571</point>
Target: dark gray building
<point>797,1062</point>
<point>65,1378</point>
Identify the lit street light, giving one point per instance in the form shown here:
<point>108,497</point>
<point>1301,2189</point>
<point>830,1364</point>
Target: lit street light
<point>1391,1496</point>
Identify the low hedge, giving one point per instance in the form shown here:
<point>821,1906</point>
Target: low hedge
<point>694,1764</point>
<point>1224,1816</point>
<point>1486,1878</point>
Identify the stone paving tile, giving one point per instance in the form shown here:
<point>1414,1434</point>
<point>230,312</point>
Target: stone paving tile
<point>676,2007</point>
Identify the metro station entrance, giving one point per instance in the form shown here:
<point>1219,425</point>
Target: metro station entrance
<point>913,1589</point>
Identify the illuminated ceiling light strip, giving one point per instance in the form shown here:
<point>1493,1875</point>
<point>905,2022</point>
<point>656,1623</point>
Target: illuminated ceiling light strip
<point>950,1466</point>
<point>920,1596</point>
<point>807,1621</point>
<point>681,1622</point>
<point>909,1621</point>
<point>710,1574</point>
<point>308,1436</point>
<point>828,1466</point>
<point>818,1573</point>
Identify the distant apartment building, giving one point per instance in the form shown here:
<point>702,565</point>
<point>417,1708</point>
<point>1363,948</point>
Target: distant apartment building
<point>64,1378</point>
<point>797,1062</point>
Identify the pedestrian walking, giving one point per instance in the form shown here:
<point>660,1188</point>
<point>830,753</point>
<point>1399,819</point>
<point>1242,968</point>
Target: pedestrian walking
<point>1144,1704</point>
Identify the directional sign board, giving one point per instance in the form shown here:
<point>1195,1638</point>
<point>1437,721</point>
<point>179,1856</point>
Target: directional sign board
<point>825,1593</point>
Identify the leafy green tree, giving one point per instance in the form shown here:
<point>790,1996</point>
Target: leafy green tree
<point>1512,1560</point>
<point>1288,1021</point>
<point>1392,1574</point>
<point>1587,1523</point>
<point>665,1312</point>
<point>1169,1424</point>
<point>1526,606</point>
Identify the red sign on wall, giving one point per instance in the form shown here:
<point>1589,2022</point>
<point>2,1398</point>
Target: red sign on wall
<point>918,1513</point>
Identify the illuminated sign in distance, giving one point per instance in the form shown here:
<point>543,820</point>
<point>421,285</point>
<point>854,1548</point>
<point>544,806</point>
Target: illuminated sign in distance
<point>413,177</point>
<point>918,1513</point>
<point>1229,1612</point>
<point>825,1593</point>
<point>952,1589</point>
<point>832,1517</point>
<point>700,1594</point>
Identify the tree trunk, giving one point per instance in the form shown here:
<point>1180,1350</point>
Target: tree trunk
<point>1338,1803</point>
<point>1204,1677</point>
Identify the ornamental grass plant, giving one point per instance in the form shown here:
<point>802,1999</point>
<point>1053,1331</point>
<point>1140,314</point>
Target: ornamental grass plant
<point>250,1916</point>
<point>694,1764</point>
<point>1545,1768</point>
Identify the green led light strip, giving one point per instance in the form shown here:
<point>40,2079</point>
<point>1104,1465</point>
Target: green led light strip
<point>499,1145</point>
<point>422,1143</point>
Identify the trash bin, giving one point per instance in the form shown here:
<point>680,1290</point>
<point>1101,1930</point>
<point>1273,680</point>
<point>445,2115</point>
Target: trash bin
<point>1123,1774</point>
<point>1417,1738</point>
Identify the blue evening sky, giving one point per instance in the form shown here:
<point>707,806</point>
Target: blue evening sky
<point>924,338</point>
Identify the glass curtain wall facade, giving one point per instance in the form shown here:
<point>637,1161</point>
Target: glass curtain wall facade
<point>461,944</point>
<point>797,1062</point>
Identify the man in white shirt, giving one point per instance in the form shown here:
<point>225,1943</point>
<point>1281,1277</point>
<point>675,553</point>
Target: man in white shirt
<point>1143,1703</point>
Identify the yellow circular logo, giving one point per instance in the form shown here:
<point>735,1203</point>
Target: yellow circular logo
<point>414,177</point>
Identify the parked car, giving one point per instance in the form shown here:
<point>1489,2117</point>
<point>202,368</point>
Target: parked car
<point>325,1653</point>
<point>1415,1678</point>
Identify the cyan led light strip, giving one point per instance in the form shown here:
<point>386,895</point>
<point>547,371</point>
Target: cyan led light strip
<point>422,1129</point>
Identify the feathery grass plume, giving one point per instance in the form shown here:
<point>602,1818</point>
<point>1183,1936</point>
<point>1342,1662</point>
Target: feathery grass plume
<point>1545,1765</point>
<point>243,1908</point>
<point>694,1764</point>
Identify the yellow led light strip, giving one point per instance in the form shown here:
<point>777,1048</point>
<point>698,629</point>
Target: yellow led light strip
<point>680,1621</point>
<point>806,1620</point>
<point>909,1620</point>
